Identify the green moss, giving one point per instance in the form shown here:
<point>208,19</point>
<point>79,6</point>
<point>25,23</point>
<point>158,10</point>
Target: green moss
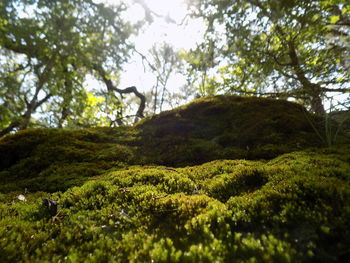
<point>54,160</point>
<point>266,203</point>
<point>227,127</point>
<point>294,208</point>
<point>222,127</point>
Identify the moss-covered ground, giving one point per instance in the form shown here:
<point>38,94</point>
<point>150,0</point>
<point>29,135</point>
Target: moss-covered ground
<point>223,191</point>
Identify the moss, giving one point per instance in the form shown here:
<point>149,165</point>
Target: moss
<point>294,208</point>
<point>227,127</point>
<point>267,203</point>
<point>53,160</point>
<point>222,127</point>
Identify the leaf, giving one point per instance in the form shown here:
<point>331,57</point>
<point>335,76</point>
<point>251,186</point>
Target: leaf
<point>334,19</point>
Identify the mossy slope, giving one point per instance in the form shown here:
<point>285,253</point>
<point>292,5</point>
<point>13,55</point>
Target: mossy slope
<point>54,160</point>
<point>222,127</point>
<point>125,208</point>
<point>227,127</point>
<point>294,208</point>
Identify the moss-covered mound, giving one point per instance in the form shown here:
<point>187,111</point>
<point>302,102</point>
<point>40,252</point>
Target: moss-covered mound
<point>54,160</point>
<point>294,208</point>
<point>228,127</point>
<point>116,205</point>
<point>222,127</point>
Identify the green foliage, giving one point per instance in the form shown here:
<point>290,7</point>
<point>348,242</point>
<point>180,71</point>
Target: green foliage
<point>164,63</point>
<point>293,49</point>
<point>47,50</point>
<point>294,208</point>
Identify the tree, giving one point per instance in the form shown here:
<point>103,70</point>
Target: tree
<point>165,62</point>
<point>199,74</point>
<point>47,50</point>
<point>281,48</point>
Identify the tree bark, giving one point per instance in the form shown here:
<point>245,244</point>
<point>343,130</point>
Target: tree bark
<point>25,118</point>
<point>311,90</point>
<point>110,87</point>
<point>9,128</point>
<point>67,98</point>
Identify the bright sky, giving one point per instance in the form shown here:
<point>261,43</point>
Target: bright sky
<point>180,36</point>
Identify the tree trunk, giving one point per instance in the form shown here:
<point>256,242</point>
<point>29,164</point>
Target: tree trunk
<point>311,90</point>
<point>68,96</point>
<point>316,102</point>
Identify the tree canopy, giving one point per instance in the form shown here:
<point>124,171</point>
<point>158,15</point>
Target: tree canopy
<point>291,48</point>
<point>48,48</point>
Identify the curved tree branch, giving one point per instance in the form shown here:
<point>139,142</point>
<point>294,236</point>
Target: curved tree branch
<point>110,87</point>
